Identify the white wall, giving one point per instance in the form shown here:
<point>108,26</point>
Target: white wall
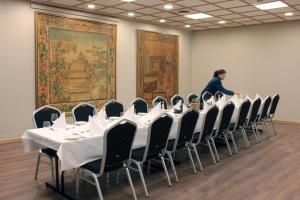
<point>17,64</point>
<point>262,59</point>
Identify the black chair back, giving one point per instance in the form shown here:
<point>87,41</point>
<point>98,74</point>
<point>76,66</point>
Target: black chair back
<point>158,136</point>
<point>140,106</point>
<point>243,113</point>
<point>163,101</point>
<point>114,109</point>
<point>209,122</point>
<point>44,114</point>
<point>191,97</point>
<point>175,99</point>
<point>226,116</point>
<point>206,96</point>
<point>265,108</point>
<point>255,108</point>
<point>187,126</point>
<point>218,95</point>
<point>117,145</point>
<point>274,105</point>
<point>83,111</point>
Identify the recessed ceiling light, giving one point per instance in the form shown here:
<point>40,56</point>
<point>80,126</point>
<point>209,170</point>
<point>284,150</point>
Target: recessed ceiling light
<point>91,6</point>
<point>162,21</point>
<point>131,14</point>
<point>187,26</point>
<point>128,0</point>
<point>168,6</point>
<point>222,22</point>
<point>288,14</point>
<point>198,16</point>
<point>271,5</point>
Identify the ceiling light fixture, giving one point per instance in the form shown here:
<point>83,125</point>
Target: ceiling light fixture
<point>168,6</point>
<point>162,21</point>
<point>128,0</point>
<point>288,14</point>
<point>222,22</point>
<point>198,16</point>
<point>187,26</point>
<point>91,6</point>
<point>271,5</point>
<point>131,14</point>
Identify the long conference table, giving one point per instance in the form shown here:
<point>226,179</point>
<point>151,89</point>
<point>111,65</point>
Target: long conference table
<point>73,153</point>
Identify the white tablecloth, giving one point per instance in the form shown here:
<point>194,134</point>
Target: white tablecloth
<point>74,153</point>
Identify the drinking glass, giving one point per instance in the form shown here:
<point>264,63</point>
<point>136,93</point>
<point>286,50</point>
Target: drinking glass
<point>46,124</point>
<point>54,116</point>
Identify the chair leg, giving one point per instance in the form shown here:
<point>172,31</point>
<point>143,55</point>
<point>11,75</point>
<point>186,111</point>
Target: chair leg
<point>233,142</point>
<point>77,173</point>
<point>165,169</point>
<point>37,166</point>
<point>118,178</point>
<point>227,144</point>
<point>141,177</point>
<point>264,123</point>
<point>97,186</point>
<point>172,165</point>
<point>273,126</point>
<point>191,158</point>
<point>254,133</point>
<point>210,150</point>
<point>256,129</point>
<point>245,138</point>
<point>149,167</point>
<point>52,169</point>
<point>107,180</point>
<point>130,182</point>
<point>215,149</point>
<point>197,156</point>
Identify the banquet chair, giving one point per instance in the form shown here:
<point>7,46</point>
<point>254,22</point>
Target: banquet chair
<point>222,132</point>
<point>272,110</point>
<point>191,97</point>
<point>264,114</point>
<point>158,133</point>
<point>82,111</point>
<point>117,145</point>
<point>113,108</point>
<point>41,115</point>
<point>163,101</point>
<point>218,95</point>
<point>176,98</point>
<point>185,133</point>
<point>140,105</point>
<point>240,125</point>
<point>205,136</point>
<point>206,96</point>
<point>251,123</point>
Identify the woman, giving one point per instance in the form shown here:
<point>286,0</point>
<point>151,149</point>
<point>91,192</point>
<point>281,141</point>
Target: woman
<point>215,85</point>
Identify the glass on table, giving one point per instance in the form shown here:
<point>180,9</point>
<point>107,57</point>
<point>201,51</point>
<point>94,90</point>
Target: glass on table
<point>54,116</point>
<point>46,124</point>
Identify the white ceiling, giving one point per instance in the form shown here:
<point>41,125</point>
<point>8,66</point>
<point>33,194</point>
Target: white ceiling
<point>234,12</point>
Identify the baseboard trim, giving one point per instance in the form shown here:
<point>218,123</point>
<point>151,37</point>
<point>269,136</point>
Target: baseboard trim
<point>12,140</point>
<point>286,122</point>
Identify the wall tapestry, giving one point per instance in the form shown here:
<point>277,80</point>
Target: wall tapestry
<point>157,65</point>
<point>75,61</point>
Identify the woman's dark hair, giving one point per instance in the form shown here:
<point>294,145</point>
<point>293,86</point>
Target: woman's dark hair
<point>218,72</point>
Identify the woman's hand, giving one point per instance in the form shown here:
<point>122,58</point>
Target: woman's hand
<point>238,94</point>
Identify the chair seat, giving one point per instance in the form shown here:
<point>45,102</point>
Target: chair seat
<point>93,166</point>
<point>49,152</point>
<point>138,154</point>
